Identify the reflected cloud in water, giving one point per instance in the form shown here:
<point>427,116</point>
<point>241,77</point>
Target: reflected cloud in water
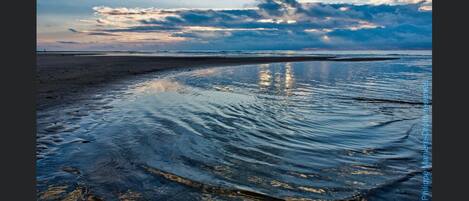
<point>160,85</point>
<point>205,72</point>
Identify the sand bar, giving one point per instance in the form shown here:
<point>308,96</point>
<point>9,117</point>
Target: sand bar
<point>61,76</point>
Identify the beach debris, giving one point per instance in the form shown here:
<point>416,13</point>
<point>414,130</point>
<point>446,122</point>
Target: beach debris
<point>222,170</point>
<point>207,197</point>
<point>211,189</point>
<point>53,193</point>
<point>93,198</point>
<point>255,179</point>
<point>313,190</point>
<point>130,196</point>
<point>298,199</point>
<point>64,193</point>
<point>75,195</point>
<point>276,183</point>
<point>365,170</point>
<point>299,174</point>
<point>71,170</point>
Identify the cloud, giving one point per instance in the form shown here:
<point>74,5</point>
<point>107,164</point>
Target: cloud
<point>73,30</point>
<point>273,24</point>
<point>101,34</point>
<point>67,42</point>
<point>93,33</point>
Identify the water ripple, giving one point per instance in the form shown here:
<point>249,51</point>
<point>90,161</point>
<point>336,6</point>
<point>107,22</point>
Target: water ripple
<point>286,131</point>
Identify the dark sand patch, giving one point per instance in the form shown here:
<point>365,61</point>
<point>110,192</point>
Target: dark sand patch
<point>61,77</point>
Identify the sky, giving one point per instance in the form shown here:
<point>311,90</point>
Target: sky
<point>233,25</point>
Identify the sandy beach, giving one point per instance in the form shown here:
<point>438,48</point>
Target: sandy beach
<point>64,76</point>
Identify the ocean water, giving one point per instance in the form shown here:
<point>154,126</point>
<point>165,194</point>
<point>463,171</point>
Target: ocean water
<point>246,53</point>
<point>299,130</point>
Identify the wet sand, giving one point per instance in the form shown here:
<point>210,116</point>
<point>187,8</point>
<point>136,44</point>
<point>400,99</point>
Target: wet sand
<point>61,77</point>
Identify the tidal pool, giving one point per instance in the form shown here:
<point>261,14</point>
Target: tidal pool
<point>316,130</point>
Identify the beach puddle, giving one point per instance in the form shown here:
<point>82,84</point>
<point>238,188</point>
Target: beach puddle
<point>284,131</point>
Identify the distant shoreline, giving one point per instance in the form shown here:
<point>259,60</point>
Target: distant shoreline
<point>60,77</point>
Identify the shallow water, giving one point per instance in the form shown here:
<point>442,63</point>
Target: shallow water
<point>317,130</point>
